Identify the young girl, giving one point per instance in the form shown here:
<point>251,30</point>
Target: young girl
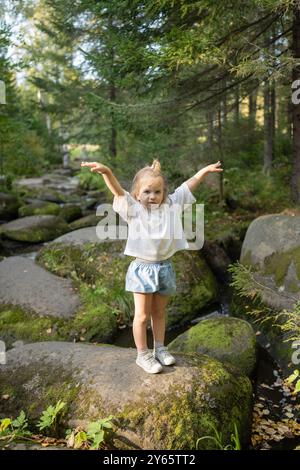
<point>151,276</point>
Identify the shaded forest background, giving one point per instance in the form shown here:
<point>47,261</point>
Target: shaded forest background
<point>188,82</point>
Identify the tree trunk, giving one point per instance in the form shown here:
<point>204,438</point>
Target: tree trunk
<point>210,133</point>
<point>295,180</point>
<point>224,103</point>
<point>113,135</point>
<point>289,116</point>
<point>268,127</point>
<point>253,108</point>
<point>237,105</point>
<point>219,140</point>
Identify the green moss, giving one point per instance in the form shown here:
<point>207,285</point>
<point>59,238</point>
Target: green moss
<point>16,324</point>
<point>42,232</point>
<point>70,213</point>
<point>247,261</point>
<point>48,209</point>
<point>278,264</point>
<point>212,397</point>
<point>196,288</point>
<point>40,386</point>
<point>226,339</point>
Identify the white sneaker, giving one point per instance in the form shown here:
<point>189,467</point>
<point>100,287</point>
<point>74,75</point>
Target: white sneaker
<point>149,363</point>
<point>163,356</point>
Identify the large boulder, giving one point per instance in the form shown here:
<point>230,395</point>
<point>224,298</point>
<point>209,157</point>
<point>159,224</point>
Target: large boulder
<point>272,248</point>
<point>36,304</point>
<point>84,222</point>
<point>170,410</point>
<point>196,288</point>
<point>35,229</point>
<point>271,251</point>
<point>31,287</point>
<point>224,338</point>
<point>39,208</point>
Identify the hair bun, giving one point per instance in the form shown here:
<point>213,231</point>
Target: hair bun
<point>155,165</point>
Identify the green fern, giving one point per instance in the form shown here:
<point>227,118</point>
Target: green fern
<point>49,417</point>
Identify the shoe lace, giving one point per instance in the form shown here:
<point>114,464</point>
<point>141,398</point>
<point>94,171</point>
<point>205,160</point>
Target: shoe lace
<point>150,359</point>
<point>163,352</point>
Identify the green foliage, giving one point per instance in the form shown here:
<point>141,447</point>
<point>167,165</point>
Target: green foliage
<point>288,321</point>
<point>14,429</point>
<point>217,438</point>
<point>49,418</point>
<point>94,437</point>
<point>295,380</point>
<point>92,181</point>
<point>243,280</point>
<point>99,431</point>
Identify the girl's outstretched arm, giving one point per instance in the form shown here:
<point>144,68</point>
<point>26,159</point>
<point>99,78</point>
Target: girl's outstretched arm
<point>195,180</point>
<point>110,180</point>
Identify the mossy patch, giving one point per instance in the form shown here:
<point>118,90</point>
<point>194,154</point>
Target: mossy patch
<point>41,231</point>
<point>196,288</point>
<point>34,388</point>
<point>49,208</point>
<point>16,324</point>
<point>278,264</point>
<point>226,339</point>
<point>176,421</point>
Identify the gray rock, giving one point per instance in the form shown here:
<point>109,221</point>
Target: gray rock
<point>272,248</point>
<point>80,236</point>
<point>36,228</point>
<point>270,234</point>
<point>170,410</point>
<point>29,286</point>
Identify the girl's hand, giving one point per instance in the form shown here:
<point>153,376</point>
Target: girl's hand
<point>96,167</point>
<point>215,167</point>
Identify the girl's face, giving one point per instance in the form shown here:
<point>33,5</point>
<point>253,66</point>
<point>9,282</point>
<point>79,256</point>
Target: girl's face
<point>151,191</point>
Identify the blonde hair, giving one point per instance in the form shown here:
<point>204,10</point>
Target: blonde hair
<point>151,171</point>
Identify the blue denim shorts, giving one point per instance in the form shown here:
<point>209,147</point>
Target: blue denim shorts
<point>151,277</point>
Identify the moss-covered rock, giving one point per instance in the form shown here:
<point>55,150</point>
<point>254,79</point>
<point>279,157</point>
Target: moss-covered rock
<point>70,212</point>
<point>17,324</point>
<point>224,338</point>
<point>196,287</point>
<point>272,248</point>
<point>162,412</point>
<point>87,221</point>
<point>44,208</point>
<point>34,229</point>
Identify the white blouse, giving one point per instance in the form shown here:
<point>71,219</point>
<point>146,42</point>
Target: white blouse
<point>155,234</point>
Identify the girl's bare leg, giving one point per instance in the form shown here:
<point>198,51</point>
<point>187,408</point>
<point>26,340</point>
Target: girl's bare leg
<point>158,318</point>
<point>142,304</point>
